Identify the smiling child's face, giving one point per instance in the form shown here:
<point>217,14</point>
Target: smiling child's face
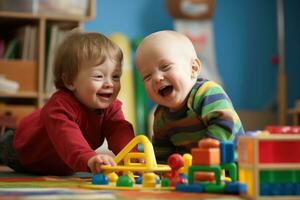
<point>168,66</point>
<point>97,86</point>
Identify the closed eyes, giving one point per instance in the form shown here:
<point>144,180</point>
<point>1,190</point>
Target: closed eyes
<point>147,77</point>
<point>165,68</point>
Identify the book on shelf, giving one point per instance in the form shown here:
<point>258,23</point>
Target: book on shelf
<point>24,35</point>
<point>2,47</point>
<point>27,37</point>
<point>32,47</point>
<point>11,51</point>
<point>54,37</point>
<point>50,58</point>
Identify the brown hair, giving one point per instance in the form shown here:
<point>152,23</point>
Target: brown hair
<point>82,48</point>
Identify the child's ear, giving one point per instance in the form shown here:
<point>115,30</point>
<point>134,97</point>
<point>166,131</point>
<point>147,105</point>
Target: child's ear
<point>196,67</point>
<point>68,85</point>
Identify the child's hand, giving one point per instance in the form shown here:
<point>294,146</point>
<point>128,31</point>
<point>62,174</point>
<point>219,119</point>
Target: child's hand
<point>95,162</point>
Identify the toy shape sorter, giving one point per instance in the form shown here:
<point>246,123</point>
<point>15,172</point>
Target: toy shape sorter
<point>201,171</point>
<point>269,163</point>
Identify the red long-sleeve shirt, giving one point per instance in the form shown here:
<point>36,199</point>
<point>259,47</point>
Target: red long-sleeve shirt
<point>61,137</point>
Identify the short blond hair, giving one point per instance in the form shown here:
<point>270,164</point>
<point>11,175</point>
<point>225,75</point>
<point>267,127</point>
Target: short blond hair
<point>79,49</point>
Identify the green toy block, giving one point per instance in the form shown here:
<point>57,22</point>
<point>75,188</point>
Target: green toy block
<point>232,169</point>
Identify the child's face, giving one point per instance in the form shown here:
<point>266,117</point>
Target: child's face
<point>167,74</point>
<point>97,86</point>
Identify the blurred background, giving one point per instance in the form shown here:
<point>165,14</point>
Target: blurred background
<point>245,43</point>
<point>251,47</point>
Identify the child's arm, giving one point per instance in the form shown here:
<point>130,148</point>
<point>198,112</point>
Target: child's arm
<point>95,162</point>
<point>217,112</point>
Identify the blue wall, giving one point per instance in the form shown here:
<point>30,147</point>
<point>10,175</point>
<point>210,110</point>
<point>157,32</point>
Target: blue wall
<point>245,41</point>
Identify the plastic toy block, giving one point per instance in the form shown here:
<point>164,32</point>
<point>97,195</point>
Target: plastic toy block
<point>266,176</point>
<point>209,156</point>
<point>227,150</point>
<point>235,188</point>
<point>148,180</point>
<point>124,181</point>
<point>279,189</point>
<point>278,129</point>
<point>247,176</point>
<point>297,188</point>
<point>283,129</point>
<point>204,176</point>
<point>165,182</point>
<point>245,150</point>
<point>197,168</point>
<point>289,189</point>
<point>112,177</point>
<point>175,161</point>
<point>279,151</point>
<point>126,156</point>
<point>138,180</point>
<point>187,162</point>
<point>126,163</point>
<point>279,176</point>
<point>208,143</point>
<point>264,189</point>
<point>190,188</point>
<point>213,188</point>
<point>100,179</point>
<point>232,169</point>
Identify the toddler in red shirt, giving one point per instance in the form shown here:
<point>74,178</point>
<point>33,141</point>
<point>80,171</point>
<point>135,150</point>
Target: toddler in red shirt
<point>62,136</point>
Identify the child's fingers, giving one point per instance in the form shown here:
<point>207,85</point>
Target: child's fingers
<point>107,160</point>
<point>97,167</point>
<point>112,162</point>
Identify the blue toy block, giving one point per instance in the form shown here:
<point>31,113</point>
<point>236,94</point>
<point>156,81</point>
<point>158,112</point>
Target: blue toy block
<point>276,189</point>
<point>100,179</point>
<point>138,180</point>
<point>297,189</point>
<point>213,188</point>
<point>235,188</point>
<point>288,189</point>
<point>227,152</point>
<point>157,180</point>
<point>264,189</point>
<point>190,188</point>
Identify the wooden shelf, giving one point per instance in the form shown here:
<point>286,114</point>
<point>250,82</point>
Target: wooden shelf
<point>19,95</point>
<point>24,15</point>
<point>27,15</point>
<point>31,74</point>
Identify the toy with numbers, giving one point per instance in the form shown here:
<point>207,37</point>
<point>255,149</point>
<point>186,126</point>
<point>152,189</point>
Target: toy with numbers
<point>269,163</point>
<point>201,171</point>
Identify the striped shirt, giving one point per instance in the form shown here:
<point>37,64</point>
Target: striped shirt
<point>208,112</point>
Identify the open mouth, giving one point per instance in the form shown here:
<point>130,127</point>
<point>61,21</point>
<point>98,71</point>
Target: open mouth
<point>105,95</point>
<point>165,91</point>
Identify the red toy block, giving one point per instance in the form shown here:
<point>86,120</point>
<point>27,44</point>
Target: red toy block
<point>204,176</point>
<point>283,129</point>
<point>207,143</point>
<point>209,156</point>
<point>279,151</point>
